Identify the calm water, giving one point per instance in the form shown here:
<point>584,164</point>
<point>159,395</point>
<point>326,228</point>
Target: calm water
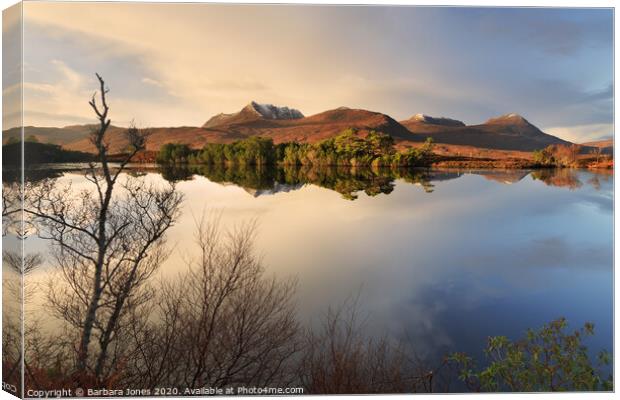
<point>440,259</point>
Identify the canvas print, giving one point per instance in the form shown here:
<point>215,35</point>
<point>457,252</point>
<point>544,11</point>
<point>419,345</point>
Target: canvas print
<point>232,199</point>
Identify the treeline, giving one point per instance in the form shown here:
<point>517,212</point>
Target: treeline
<point>36,153</point>
<point>559,155</point>
<point>376,149</point>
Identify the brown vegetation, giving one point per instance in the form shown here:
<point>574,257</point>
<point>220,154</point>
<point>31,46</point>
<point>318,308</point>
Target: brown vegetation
<point>506,136</point>
<point>338,358</point>
<point>221,323</point>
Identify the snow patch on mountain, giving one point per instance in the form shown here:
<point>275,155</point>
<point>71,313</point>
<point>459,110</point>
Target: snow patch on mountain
<point>269,111</point>
<point>427,119</point>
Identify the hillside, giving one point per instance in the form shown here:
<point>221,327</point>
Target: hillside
<point>318,127</point>
<point>194,136</point>
<point>427,120</point>
<point>606,145</point>
<point>507,132</point>
<point>61,136</point>
<point>226,128</point>
<point>249,122</point>
<point>509,135</point>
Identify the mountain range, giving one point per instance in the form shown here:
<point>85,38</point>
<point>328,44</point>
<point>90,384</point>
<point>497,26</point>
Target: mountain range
<point>510,132</point>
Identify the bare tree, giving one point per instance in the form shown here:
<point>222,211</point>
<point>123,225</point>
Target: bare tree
<point>221,323</point>
<point>11,208</point>
<point>106,242</point>
<point>596,152</point>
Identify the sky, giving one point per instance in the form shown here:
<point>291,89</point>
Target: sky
<point>179,64</point>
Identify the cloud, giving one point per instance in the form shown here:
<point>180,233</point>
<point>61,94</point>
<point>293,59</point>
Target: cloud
<point>57,119</point>
<point>72,79</point>
<point>554,102</point>
<point>563,32</point>
<point>11,66</point>
<point>464,63</point>
<point>150,81</point>
<point>606,94</point>
<point>65,98</point>
<point>583,133</point>
<point>240,83</point>
<point>545,252</point>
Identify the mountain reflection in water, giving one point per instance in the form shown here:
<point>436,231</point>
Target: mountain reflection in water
<point>265,180</point>
<point>268,180</point>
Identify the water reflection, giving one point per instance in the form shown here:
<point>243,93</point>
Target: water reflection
<point>269,180</point>
<point>489,252</point>
<point>348,181</point>
<point>558,177</point>
<point>12,293</point>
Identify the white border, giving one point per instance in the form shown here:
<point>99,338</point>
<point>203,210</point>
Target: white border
<point>480,3</point>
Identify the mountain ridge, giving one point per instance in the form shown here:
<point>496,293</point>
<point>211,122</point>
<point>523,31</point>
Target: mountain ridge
<point>504,132</point>
<point>427,119</point>
<point>252,112</point>
<point>510,132</point>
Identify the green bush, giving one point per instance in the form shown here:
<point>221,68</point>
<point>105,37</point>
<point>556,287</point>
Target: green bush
<point>173,153</point>
<point>546,360</point>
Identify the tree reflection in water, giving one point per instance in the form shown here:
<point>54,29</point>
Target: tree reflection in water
<point>258,180</point>
<point>223,322</point>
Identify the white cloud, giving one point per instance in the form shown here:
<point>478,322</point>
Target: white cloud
<point>182,70</point>
<point>67,95</point>
<point>582,133</point>
<point>72,79</point>
<point>152,82</point>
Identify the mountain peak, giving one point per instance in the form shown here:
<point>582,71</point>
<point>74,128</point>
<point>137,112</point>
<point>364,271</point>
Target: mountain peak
<point>252,112</point>
<point>269,111</point>
<point>514,124</point>
<point>427,119</point>
<point>511,118</point>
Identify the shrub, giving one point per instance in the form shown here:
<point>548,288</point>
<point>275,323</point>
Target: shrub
<point>172,153</point>
<point>546,360</point>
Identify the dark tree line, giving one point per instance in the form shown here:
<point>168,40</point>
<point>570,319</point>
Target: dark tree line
<point>37,153</point>
<point>350,148</point>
